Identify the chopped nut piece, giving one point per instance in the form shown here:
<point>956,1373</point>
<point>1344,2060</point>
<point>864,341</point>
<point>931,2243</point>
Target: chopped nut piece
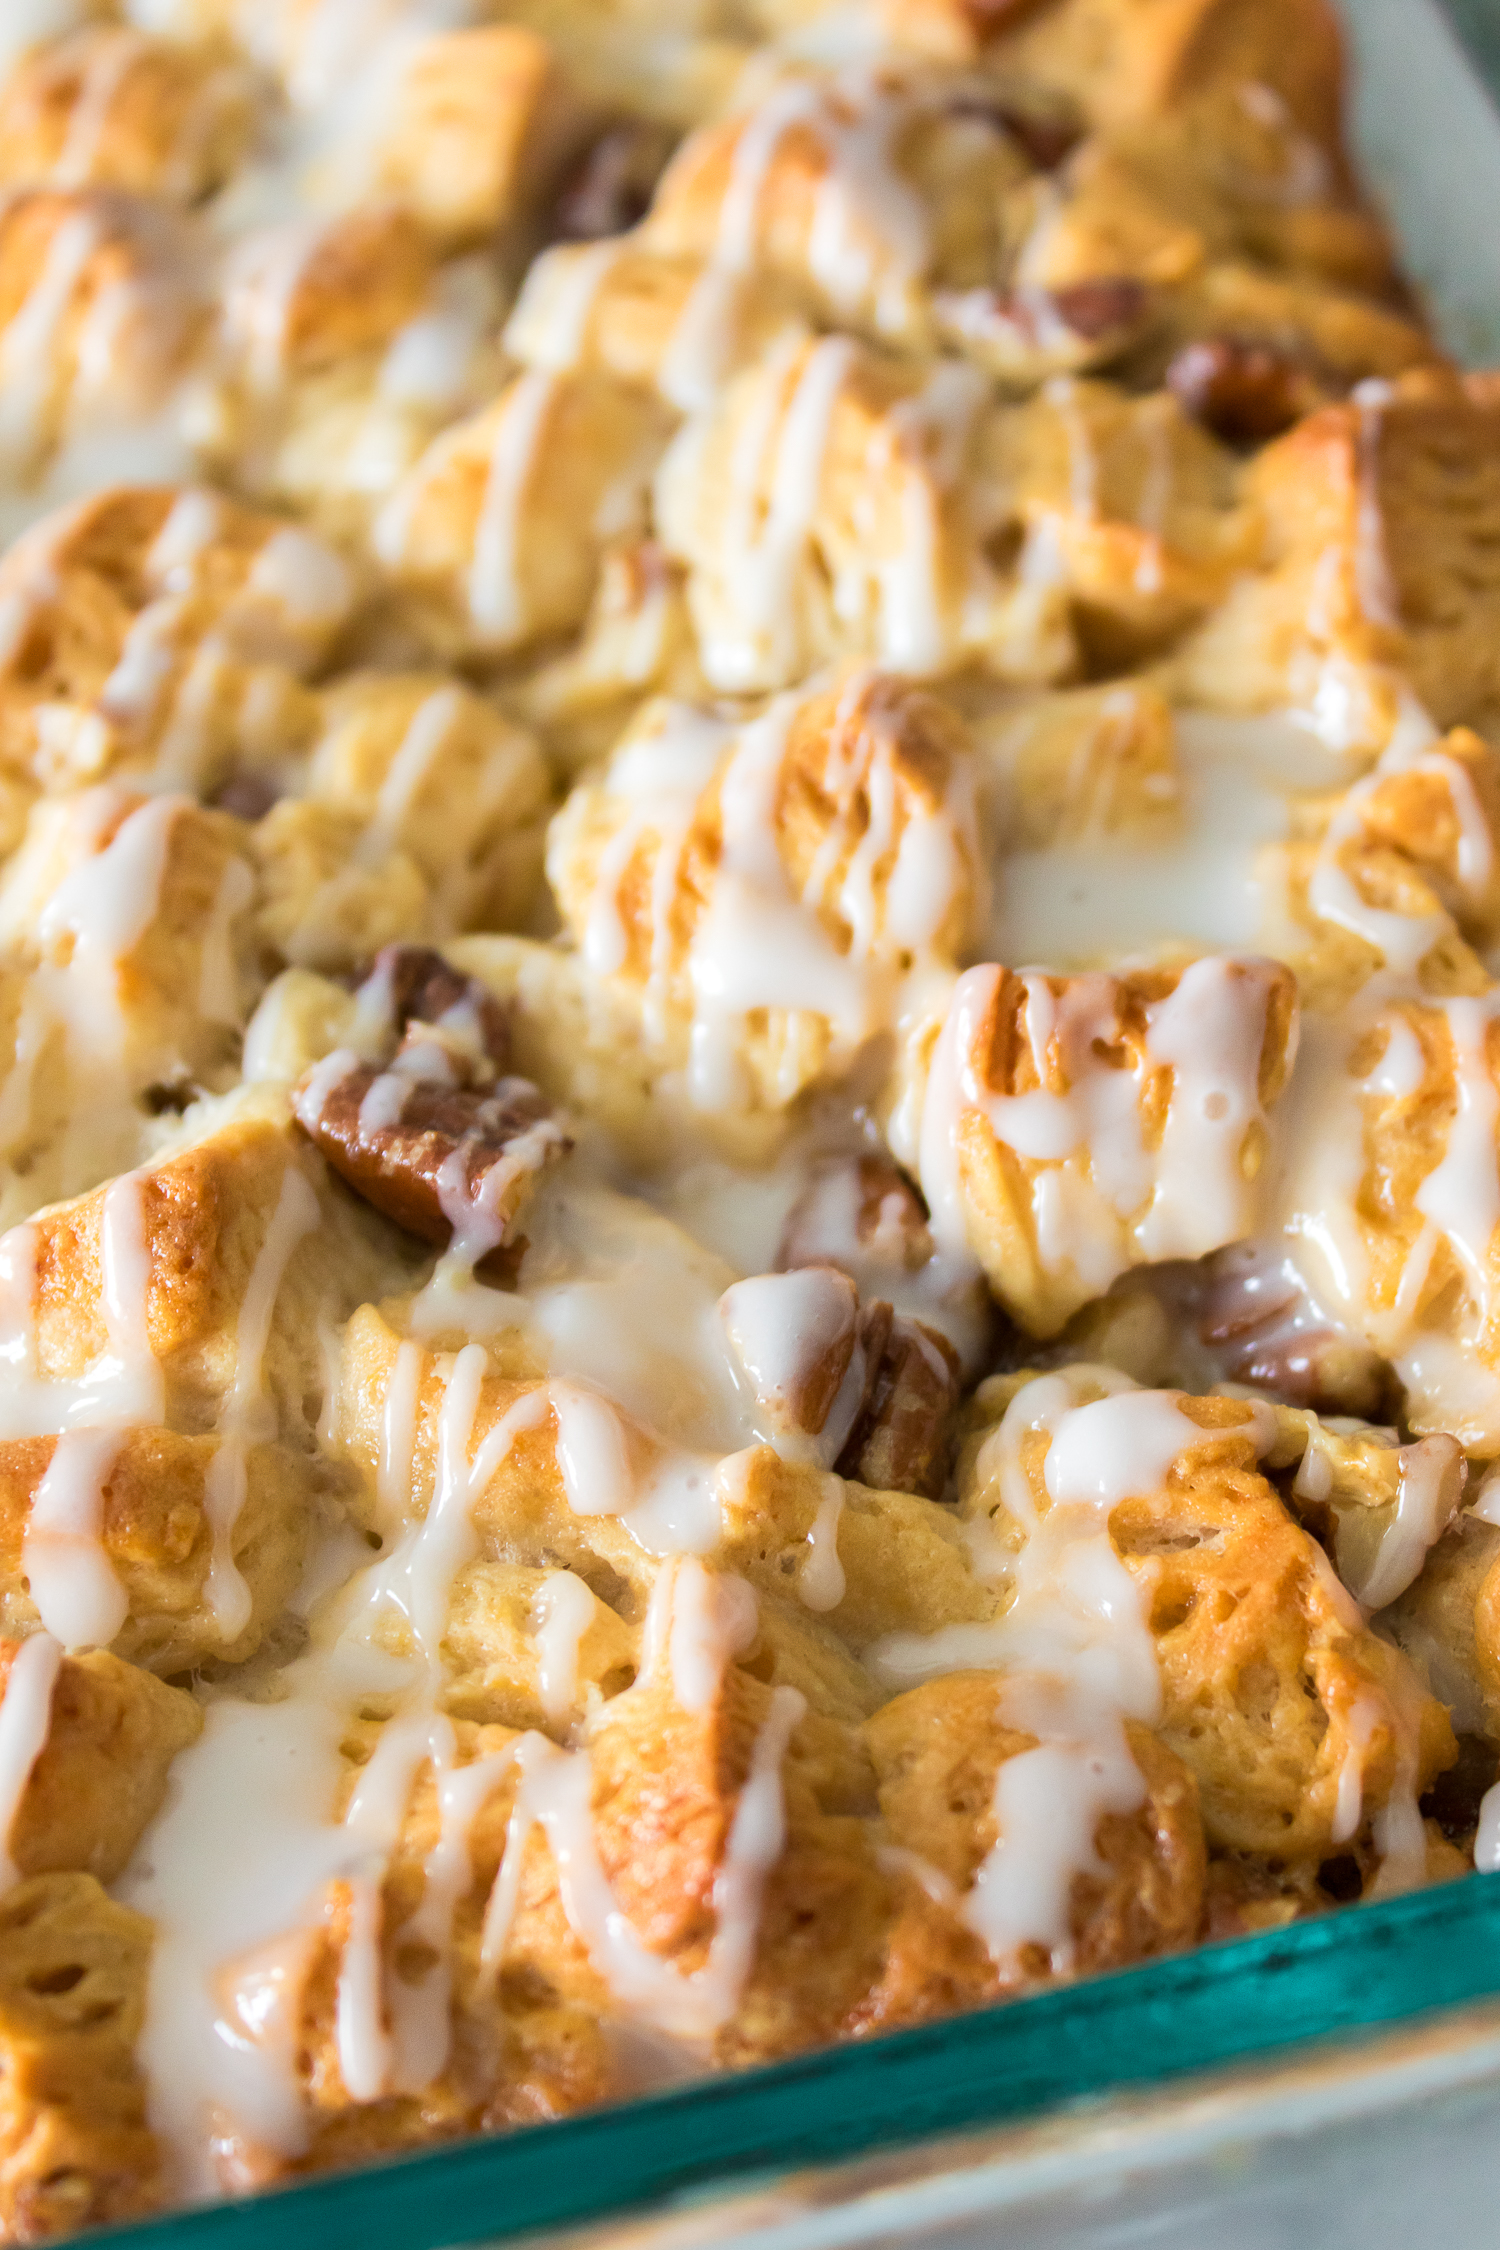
<point>847,1386</point>
<point>900,1438</point>
<point>610,189</point>
<point>855,1214</point>
<point>1244,392</point>
<point>414,984</point>
<point>444,1162</point>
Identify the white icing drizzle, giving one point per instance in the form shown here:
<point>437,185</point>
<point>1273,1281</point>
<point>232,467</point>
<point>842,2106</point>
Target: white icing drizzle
<point>1074,1644</point>
<point>25,1722</point>
<point>565,1611</point>
<point>698,1621</point>
<point>776,482</point>
<point>1427,1497</point>
<point>497,595</point>
<point>30,374</point>
<point>758,947</point>
<point>72,1582</point>
<point>247,1416</point>
<point>555,1794</point>
<point>821,1584</point>
<point>1102,1186</point>
<point>430,727</point>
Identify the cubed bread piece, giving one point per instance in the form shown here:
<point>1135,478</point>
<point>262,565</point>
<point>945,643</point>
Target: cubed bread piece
<point>487,2055</point>
<point>124,923</point>
<point>184,1237</point>
<point>330,896</point>
<point>803,1936</point>
<point>113,107</point>
<point>102,1772</point>
<point>129,313</point>
<point>1378,576</point>
<point>1132,507</point>
<point>1401,872</point>
<point>893,1562</point>
<point>636,314</point>
<point>496,536</point>
<point>75,2147</point>
<point>930,213</point>
<point>431,766</point>
<point>1122,60</point>
<point>864,796</point>
<point>1081,764</point>
<point>1299,1724</point>
<point>1397,1157</point>
<point>159,629</point>
<point>483,124</point>
<point>794,501</point>
<point>155,1543</point>
<point>1071,1127</point>
<point>1448,1623</point>
<point>307,294</point>
<point>521,1509</point>
<point>532,1648</point>
<point>938,1752</point>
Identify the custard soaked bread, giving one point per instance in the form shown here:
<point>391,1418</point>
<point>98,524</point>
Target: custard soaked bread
<point>749,1091</point>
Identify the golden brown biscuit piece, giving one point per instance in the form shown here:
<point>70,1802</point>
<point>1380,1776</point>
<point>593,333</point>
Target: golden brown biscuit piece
<point>1406,1104</point>
<point>496,536</point>
<point>1119,61</point>
<point>328,895</point>
<point>157,628</point>
<point>118,279</point>
<point>429,764</point>
<point>189,1232</point>
<point>840,825</point>
<point>900,1566</point>
<point>75,2147</point>
<point>938,1751</point>
<point>792,499</point>
<point>483,124</point>
<point>1300,1725</point>
<point>1082,764</point>
<point>124,926</point>
<point>302,297</point>
<point>1071,1127</point>
<point>156,1538</point>
<point>491,2053</point>
<point>102,1772</point>
<point>1399,872</point>
<point>113,107</point>
<point>1377,577</point>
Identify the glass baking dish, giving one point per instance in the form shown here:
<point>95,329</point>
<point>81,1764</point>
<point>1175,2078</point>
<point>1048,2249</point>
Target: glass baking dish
<point>1336,2082</point>
<point>791,2131</point>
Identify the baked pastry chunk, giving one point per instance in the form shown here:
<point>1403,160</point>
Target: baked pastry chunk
<point>749,1101</point>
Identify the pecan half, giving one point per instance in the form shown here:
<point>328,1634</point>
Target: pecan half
<point>857,1214</point>
<point>1244,392</point>
<point>795,1336</point>
<point>902,1435</point>
<point>446,1163</point>
<point>1045,138</point>
<point>413,984</point>
<point>612,187</point>
<point>856,1388</point>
